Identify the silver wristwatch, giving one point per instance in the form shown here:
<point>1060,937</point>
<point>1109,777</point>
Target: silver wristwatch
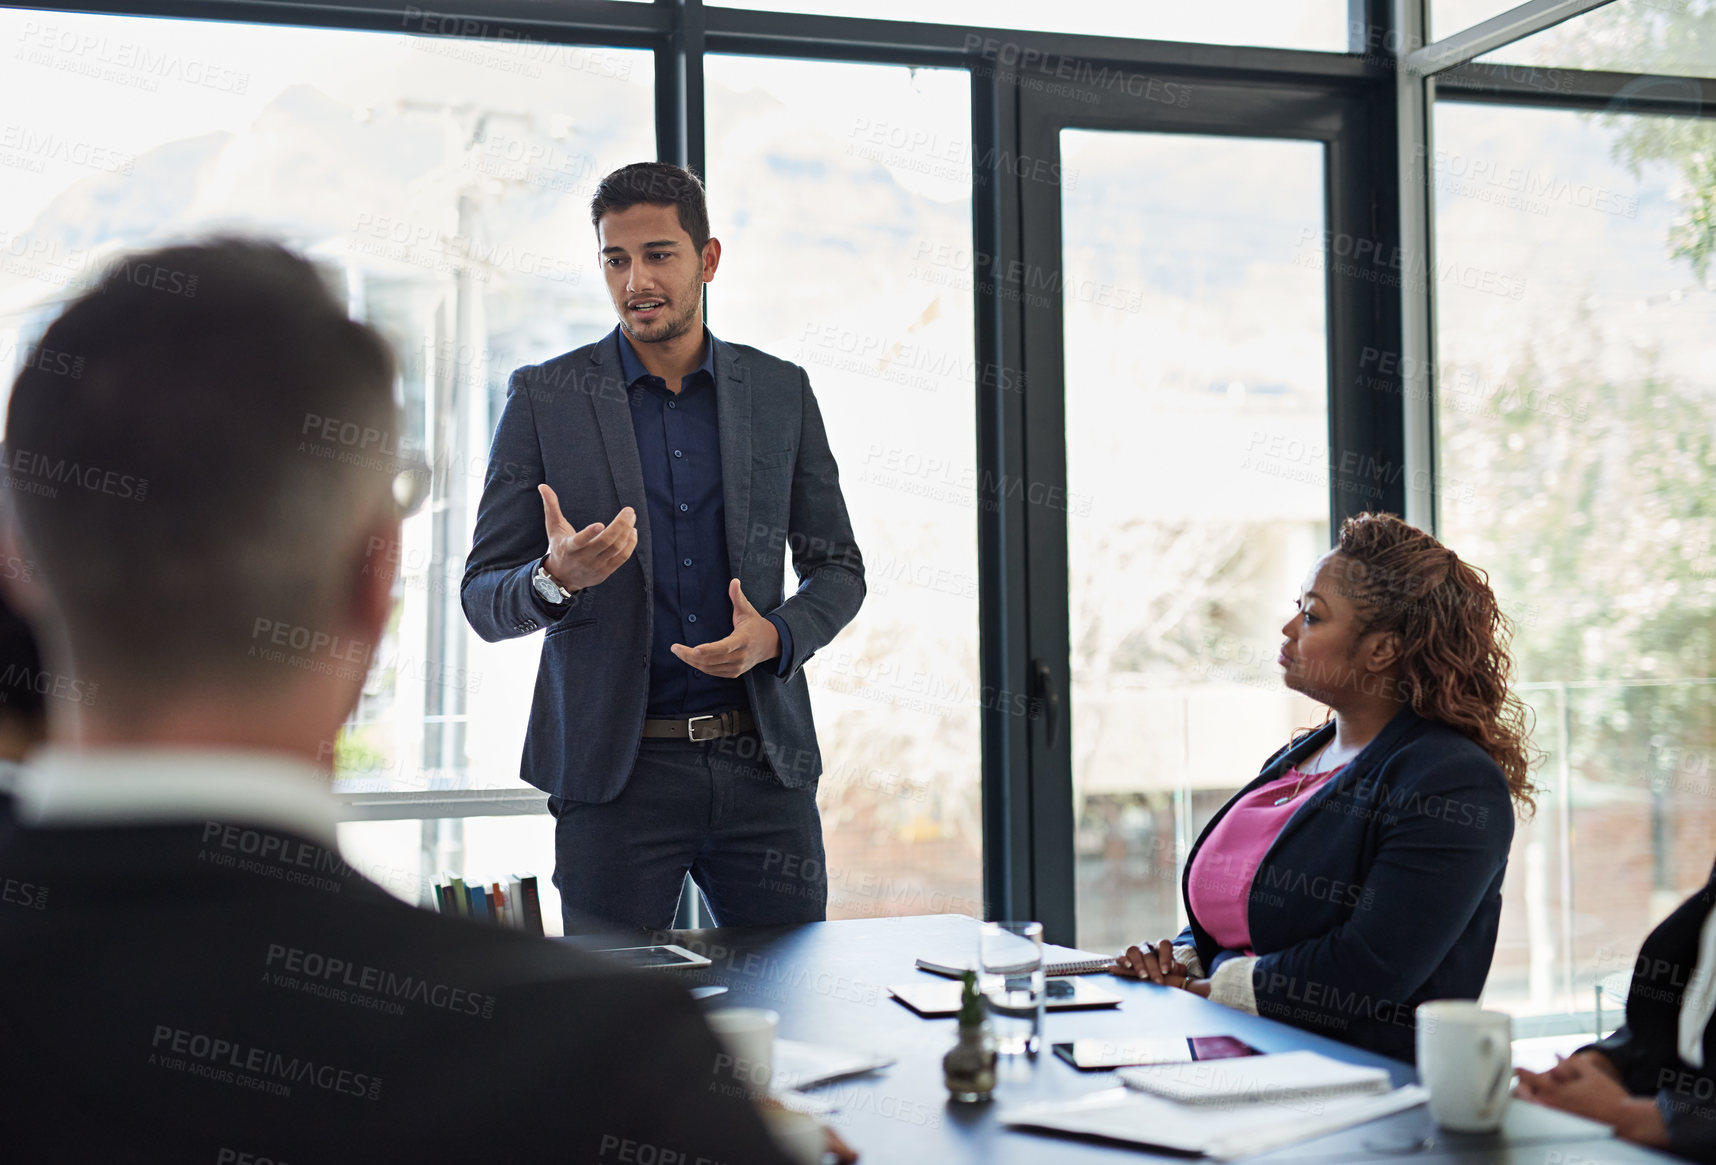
<point>547,585</point>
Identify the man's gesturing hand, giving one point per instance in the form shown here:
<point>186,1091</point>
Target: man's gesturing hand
<point>754,640</point>
<point>583,558</point>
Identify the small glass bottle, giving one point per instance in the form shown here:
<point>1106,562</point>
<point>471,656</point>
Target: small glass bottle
<point>969,1068</point>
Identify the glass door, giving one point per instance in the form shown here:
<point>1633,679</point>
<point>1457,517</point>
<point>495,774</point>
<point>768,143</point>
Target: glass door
<point>1179,396</point>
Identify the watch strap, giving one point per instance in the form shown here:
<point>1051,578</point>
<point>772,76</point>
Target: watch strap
<point>542,573</point>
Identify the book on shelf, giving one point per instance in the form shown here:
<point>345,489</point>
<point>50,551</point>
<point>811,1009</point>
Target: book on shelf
<point>512,901</point>
<point>530,904</point>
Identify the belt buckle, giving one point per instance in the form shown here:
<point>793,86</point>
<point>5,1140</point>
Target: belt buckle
<point>691,728</point>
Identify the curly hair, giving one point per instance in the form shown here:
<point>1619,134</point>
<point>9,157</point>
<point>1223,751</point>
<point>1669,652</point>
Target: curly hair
<point>1454,661</point>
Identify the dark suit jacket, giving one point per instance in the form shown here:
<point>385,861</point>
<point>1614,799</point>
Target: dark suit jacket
<point>568,422</point>
<point>1646,1047</point>
<point>1383,891</point>
<point>160,1005</point>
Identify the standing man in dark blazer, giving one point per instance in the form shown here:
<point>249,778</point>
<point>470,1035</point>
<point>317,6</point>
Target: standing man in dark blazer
<point>641,496</point>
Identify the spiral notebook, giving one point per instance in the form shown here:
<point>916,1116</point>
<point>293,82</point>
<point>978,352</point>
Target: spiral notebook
<point>1057,960</point>
<point>1256,1079</point>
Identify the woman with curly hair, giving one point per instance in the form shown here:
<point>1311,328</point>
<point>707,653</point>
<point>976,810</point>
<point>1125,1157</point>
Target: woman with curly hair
<point>1359,874</point>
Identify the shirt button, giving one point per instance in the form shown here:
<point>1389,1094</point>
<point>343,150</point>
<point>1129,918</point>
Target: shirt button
<point>677,453</point>
<point>687,562</point>
<point>683,507</point>
<point>691,618</point>
<point>672,404</point>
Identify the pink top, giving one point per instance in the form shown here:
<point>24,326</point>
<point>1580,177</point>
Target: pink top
<point>1219,888</point>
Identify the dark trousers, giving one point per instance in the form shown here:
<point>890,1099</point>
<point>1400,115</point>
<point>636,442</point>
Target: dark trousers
<point>713,808</point>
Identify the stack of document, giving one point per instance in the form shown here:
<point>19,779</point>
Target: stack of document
<point>800,1065</point>
<point>1264,1101</point>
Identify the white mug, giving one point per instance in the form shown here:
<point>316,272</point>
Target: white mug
<point>748,1034</point>
<point>798,1134</point>
<point>1465,1059</point>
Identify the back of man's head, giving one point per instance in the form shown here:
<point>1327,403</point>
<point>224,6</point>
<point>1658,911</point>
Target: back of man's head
<point>197,448</point>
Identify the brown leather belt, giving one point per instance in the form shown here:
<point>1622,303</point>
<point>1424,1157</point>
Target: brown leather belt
<point>700,727</point>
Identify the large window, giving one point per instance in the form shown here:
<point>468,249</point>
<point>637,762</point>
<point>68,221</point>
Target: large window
<point>443,185</point>
<point>1197,489</point>
<point>847,229</point>
<point>1577,437</point>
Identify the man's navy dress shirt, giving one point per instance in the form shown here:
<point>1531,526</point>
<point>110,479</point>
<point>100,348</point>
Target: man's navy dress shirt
<point>679,444</point>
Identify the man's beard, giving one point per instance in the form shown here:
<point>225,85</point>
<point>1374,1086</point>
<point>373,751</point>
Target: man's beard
<point>675,327</point>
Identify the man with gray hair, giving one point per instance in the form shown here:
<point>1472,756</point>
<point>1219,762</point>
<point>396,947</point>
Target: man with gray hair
<point>188,969</point>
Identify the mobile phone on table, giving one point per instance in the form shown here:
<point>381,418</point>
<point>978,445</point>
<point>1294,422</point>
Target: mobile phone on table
<point>1090,1055</point>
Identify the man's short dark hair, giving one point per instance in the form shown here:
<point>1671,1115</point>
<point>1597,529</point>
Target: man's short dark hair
<point>655,184</point>
<point>192,452</point>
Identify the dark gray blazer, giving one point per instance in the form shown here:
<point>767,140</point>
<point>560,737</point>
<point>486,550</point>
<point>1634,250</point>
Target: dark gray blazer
<point>568,422</point>
<point>441,1042</point>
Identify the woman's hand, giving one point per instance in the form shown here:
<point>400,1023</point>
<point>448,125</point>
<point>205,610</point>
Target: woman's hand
<point>1588,1085</point>
<point>1156,964</point>
<point>1574,1087</point>
<point>1593,1060</point>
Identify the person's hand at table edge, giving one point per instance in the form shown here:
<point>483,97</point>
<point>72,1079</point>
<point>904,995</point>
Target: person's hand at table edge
<point>831,1141</point>
<point>1158,965</point>
<point>1580,1087</point>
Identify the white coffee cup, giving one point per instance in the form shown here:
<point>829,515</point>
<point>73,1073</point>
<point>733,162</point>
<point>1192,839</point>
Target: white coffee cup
<point>748,1034</point>
<point>799,1135</point>
<point>1465,1059</point>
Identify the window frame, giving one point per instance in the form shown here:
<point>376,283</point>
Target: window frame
<point>1388,62</point>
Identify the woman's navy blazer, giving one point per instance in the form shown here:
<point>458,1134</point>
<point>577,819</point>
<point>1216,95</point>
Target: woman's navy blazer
<point>1382,891</point>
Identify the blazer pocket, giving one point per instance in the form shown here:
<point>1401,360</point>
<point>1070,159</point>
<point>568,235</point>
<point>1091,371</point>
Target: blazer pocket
<point>771,460</point>
<point>567,625</point>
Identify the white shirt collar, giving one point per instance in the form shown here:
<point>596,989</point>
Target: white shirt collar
<point>1698,1003</point>
<point>106,787</point>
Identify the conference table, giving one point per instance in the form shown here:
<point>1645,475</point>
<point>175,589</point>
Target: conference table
<point>829,982</point>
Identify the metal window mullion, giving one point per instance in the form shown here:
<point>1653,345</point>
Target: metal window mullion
<point>1515,24</point>
<point>1003,647</point>
<point>1414,96</point>
<point>679,93</point>
<point>595,22</point>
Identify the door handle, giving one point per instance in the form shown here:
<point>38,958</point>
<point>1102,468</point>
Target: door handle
<point>1048,699</point>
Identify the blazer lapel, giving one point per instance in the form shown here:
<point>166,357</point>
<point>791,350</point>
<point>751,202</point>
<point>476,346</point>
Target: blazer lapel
<point>733,405</point>
<point>1356,772</point>
<point>1306,745</point>
<point>612,403</point>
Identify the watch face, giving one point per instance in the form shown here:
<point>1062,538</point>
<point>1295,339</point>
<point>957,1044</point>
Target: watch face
<point>546,587</point>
